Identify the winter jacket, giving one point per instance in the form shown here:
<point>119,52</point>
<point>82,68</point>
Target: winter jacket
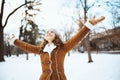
<point>53,65</point>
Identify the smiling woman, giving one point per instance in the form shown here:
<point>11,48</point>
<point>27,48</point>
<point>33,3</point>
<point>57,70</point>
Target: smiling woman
<point>53,51</point>
<point>50,36</point>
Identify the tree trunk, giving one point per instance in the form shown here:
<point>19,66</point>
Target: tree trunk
<point>1,33</point>
<point>87,38</point>
<point>1,44</point>
<point>88,50</point>
<point>27,57</point>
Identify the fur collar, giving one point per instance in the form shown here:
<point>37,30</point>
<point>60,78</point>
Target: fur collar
<point>49,48</point>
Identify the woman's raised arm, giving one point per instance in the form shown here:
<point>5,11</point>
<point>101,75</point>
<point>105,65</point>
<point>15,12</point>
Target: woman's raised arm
<point>24,46</point>
<point>89,25</point>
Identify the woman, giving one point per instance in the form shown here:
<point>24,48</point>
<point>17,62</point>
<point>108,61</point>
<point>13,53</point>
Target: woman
<point>52,51</point>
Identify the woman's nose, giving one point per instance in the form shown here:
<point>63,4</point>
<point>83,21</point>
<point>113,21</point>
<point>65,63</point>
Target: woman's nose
<point>49,33</point>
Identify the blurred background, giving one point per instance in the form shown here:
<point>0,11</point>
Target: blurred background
<point>29,20</point>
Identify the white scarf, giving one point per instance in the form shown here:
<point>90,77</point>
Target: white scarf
<point>49,48</point>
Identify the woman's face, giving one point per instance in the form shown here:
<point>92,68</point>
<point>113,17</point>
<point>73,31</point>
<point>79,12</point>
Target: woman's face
<point>50,36</point>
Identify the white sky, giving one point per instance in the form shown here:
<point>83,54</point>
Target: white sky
<point>53,15</point>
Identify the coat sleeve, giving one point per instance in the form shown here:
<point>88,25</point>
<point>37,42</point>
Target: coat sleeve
<point>73,41</point>
<point>27,47</point>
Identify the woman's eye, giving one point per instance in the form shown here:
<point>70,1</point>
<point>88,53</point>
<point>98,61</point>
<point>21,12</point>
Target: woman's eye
<point>52,32</point>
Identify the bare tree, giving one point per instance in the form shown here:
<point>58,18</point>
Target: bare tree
<point>85,42</point>
<point>114,9</point>
<point>2,26</point>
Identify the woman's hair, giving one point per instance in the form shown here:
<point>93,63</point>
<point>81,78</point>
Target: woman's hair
<point>43,45</point>
<point>57,41</point>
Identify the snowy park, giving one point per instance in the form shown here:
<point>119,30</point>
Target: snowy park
<point>104,67</point>
<point>88,29</point>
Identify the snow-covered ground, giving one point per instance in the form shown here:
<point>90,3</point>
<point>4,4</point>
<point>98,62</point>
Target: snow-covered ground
<point>104,67</point>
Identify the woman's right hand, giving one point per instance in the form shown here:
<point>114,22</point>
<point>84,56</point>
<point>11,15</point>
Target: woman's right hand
<point>95,20</point>
<point>92,22</point>
<point>11,39</point>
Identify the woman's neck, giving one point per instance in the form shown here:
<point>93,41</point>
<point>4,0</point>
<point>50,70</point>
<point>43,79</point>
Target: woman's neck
<point>49,43</point>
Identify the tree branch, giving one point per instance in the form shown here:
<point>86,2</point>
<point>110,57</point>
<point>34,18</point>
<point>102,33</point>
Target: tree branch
<point>113,3</point>
<point>15,11</point>
<point>92,5</point>
<point>82,4</point>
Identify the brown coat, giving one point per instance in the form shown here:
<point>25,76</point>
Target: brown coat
<point>53,65</point>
